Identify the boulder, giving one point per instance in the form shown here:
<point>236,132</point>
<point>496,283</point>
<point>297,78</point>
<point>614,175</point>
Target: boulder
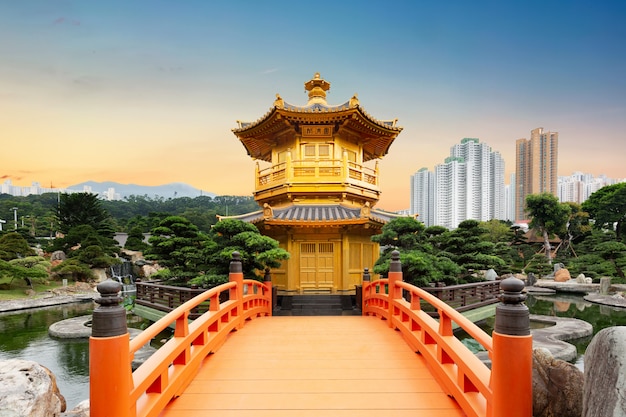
<point>28,389</point>
<point>148,270</point>
<point>100,274</point>
<point>491,275</point>
<point>562,275</point>
<point>81,410</point>
<point>605,374</point>
<point>557,386</point>
<point>57,255</point>
<point>580,279</point>
<point>133,255</point>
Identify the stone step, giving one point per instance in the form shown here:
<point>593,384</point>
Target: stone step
<point>315,305</point>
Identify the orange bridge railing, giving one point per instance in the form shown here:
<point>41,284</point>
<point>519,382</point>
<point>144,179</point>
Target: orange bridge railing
<point>503,390</point>
<point>115,390</point>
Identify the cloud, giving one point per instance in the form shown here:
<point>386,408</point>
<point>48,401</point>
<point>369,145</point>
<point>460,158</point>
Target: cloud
<point>65,21</point>
<point>269,71</point>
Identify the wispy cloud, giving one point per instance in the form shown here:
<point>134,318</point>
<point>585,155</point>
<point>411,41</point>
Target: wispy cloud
<point>66,21</point>
<point>269,71</point>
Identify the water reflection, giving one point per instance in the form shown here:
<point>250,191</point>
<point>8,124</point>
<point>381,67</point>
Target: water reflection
<point>574,306</point>
<point>563,305</point>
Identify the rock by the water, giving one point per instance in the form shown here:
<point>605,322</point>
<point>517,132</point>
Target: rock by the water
<point>81,410</point>
<point>562,275</point>
<point>28,389</point>
<point>557,386</point>
<point>605,374</point>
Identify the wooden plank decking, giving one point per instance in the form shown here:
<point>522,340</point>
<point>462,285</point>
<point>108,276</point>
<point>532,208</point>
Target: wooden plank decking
<point>314,367</point>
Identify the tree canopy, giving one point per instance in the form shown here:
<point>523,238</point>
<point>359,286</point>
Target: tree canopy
<point>191,256</point>
<point>13,245</point>
<point>548,216</point>
<point>607,208</point>
<point>420,263</point>
<point>82,208</point>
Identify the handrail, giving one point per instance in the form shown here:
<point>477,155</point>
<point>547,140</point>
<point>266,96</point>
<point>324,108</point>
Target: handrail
<point>168,371</point>
<point>455,366</point>
<point>465,297</point>
<point>480,392</point>
<point>167,297</point>
<point>157,380</point>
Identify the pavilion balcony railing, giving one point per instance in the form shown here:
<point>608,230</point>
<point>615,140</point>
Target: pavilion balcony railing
<point>319,171</point>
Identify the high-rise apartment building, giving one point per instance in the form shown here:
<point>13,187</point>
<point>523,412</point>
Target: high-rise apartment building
<point>423,196</point>
<point>469,184</point>
<point>579,186</point>
<point>536,163</point>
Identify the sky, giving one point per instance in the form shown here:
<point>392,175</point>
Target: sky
<point>148,92</point>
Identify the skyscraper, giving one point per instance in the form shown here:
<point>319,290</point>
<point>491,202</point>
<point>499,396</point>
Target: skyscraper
<point>469,184</point>
<point>423,196</point>
<point>535,167</point>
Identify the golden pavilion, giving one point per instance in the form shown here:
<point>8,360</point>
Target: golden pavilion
<point>316,193</point>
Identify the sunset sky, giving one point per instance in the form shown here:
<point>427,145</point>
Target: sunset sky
<point>147,92</point>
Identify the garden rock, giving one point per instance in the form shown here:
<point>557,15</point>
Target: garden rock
<point>605,374</point>
<point>562,275</point>
<point>557,386</point>
<point>28,389</point>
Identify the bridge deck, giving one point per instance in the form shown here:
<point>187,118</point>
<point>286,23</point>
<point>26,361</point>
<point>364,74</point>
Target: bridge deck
<point>314,367</point>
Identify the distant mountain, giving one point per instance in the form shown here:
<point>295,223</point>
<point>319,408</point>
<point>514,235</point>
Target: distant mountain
<point>173,190</point>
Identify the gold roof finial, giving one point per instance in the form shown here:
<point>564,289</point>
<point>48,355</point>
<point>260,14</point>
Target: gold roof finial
<point>317,88</point>
<point>354,101</point>
<point>279,102</point>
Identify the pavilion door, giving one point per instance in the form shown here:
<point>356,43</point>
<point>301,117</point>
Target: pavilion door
<point>317,266</point>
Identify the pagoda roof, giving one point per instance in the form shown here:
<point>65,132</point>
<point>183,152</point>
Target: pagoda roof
<point>283,119</point>
<point>315,214</point>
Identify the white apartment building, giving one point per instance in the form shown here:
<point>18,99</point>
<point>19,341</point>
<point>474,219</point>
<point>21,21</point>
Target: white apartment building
<point>579,186</point>
<point>423,196</point>
<point>468,185</point>
<point>34,189</point>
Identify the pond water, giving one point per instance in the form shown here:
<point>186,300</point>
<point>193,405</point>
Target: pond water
<point>570,306</point>
<point>25,336</point>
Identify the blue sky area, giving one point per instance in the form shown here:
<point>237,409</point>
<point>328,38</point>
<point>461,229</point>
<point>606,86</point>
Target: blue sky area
<point>147,91</point>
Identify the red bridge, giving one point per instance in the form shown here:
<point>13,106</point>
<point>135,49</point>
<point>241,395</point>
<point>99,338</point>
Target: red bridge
<point>238,360</point>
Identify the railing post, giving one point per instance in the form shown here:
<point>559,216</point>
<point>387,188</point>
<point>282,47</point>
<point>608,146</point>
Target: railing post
<point>267,280</point>
<point>236,294</point>
<point>395,276</point>
<point>512,361</point>
<point>110,372</point>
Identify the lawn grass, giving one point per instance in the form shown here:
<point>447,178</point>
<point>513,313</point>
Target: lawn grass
<point>18,289</point>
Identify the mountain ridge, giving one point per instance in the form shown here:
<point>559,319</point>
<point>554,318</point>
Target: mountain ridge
<point>171,190</point>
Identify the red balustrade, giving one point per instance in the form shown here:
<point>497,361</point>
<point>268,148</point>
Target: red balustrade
<point>116,391</point>
<point>505,390</point>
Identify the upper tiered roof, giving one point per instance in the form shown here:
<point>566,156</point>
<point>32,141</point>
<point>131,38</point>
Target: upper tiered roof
<point>282,123</point>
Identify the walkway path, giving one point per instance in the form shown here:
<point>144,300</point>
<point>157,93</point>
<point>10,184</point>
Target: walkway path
<point>314,367</point>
